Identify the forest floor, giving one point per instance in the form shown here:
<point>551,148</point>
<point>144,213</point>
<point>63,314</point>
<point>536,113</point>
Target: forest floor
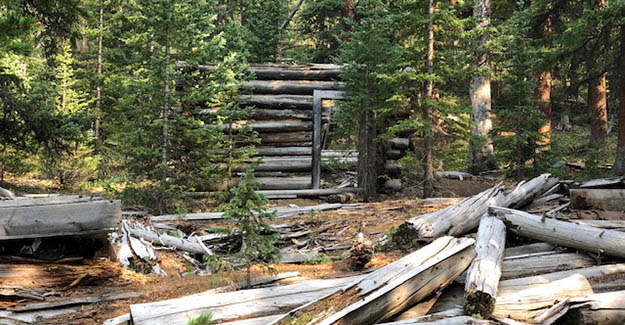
<point>374,221</point>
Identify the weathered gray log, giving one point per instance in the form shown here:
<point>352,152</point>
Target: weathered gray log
<point>395,287</point>
<point>460,218</point>
<point>455,320</point>
<point>605,224</point>
<point>528,249</point>
<point>516,267</point>
<point>399,143</point>
<point>286,137</point>
<point>301,102</point>
<point>281,212</point>
<point>604,183</point>
<point>6,193</point>
<point>284,183</point>
<point>74,301</point>
<point>293,87</point>
<point>454,175</point>
<point>437,201</point>
<point>563,233</point>
<point>280,114</point>
<point>283,71</point>
<point>597,309</point>
<point>484,273</point>
<point>394,154</point>
<point>131,248</point>
<point>234,305</point>
<point>602,278</point>
<point>46,201</point>
<point>271,126</point>
<point>308,193</point>
<point>613,200</point>
<point>525,305</point>
<point>25,219</point>
<point>191,246</point>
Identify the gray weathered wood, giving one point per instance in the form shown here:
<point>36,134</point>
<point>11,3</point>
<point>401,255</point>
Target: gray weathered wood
<point>563,233</point>
<point>604,183</point>
<point>286,137</point>
<point>597,309</point>
<point>282,71</point>
<point>454,320</point>
<point>29,221</point>
<point>191,246</point>
<point>301,102</point>
<point>528,249</point>
<point>454,175</point>
<point>540,264</point>
<point>613,200</point>
<point>292,87</point>
<point>74,301</point>
<point>234,305</point>
<point>484,273</point>
<point>6,193</point>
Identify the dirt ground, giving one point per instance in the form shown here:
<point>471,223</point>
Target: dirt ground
<point>374,221</point>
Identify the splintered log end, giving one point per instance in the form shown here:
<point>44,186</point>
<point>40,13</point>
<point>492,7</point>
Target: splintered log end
<point>479,303</point>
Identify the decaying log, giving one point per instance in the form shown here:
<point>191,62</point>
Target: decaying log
<point>74,301</point>
<point>284,183</point>
<point>235,305</point>
<point>309,193</point>
<point>484,273</point>
<point>460,218</point>
<point>301,102</point>
<point>391,289</point>
<point>605,224</point>
<point>563,233</point>
<point>454,320</point>
<point>525,305</point>
<point>361,252</point>
<point>604,183</point>
<point>293,87</point>
<point>528,249</point>
<point>454,175</point>
<point>136,254</point>
<point>34,317</point>
<point>6,193</point>
<point>57,276</point>
<point>523,266</point>
<point>28,218</point>
<point>187,245</point>
<point>613,200</point>
<point>281,212</point>
<point>285,137</point>
<point>597,309</point>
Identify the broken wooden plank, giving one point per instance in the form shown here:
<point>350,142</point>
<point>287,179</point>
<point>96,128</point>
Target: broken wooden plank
<point>563,233</point>
<point>465,216</point>
<point>598,309</point>
<point>484,273</point>
<point>388,291</point>
<point>31,221</point>
<point>74,302</point>
<point>613,200</point>
<point>235,305</point>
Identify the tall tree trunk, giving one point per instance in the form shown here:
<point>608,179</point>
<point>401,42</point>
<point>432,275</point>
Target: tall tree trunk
<point>597,104</point>
<point>164,147</point>
<point>367,155</point>
<point>98,90</point>
<point>428,175</point>
<point>481,156</point>
<point>619,164</point>
<point>543,92</point>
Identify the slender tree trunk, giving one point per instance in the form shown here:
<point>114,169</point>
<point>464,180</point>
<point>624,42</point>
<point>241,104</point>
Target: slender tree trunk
<point>286,23</point>
<point>597,104</point>
<point>367,155</point>
<point>543,92</point>
<point>481,155</point>
<point>428,175</point>
<point>164,147</point>
<point>619,164</point>
<point>98,90</point>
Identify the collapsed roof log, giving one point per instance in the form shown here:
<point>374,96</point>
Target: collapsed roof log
<point>32,218</point>
<point>563,233</point>
<point>484,273</point>
<point>235,305</point>
<point>599,309</point>
<point>393,288</point>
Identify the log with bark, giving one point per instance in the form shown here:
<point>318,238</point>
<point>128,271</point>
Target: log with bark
<point>292,87</point>
<point>563,233</point>
<point>597,309</point>
<point>460,218</point>
<point>393,288</point>
<point>32,218</point>
<point>484,273</point>
<point>611,200</point>
<point>235,305</point>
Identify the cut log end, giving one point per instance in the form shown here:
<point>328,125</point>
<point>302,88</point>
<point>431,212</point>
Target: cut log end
<point>479,303</point>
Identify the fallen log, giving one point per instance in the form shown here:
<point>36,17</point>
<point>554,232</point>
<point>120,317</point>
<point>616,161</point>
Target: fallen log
<point>598,309</point>
<point>484,273</point>
<point>611,200</point>
<point>393,288</point>
<point>605,224</point>
<point>605,183</point>
<point>460,218</point>
<point>191,246</point>
<point>300,102</point>
<point>454,175</point>
<point>525,305</point>
<point>292,87</point>
<point>528,249</point>
<point>281,212</point>
<point>563,233</point>
<point>4,193</point>
<point>454,320</point>
<point>234,305</point>
<point>28,218</point>
<point>516,267</point>
<point>308,193</point>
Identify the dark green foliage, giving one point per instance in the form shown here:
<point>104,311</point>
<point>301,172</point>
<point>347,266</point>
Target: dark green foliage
<point>247,209</point>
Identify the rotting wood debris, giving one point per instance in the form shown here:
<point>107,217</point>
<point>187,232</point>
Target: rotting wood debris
<point>563,266</point>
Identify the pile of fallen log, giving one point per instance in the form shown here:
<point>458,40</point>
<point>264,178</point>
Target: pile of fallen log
<point>558,268</point>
